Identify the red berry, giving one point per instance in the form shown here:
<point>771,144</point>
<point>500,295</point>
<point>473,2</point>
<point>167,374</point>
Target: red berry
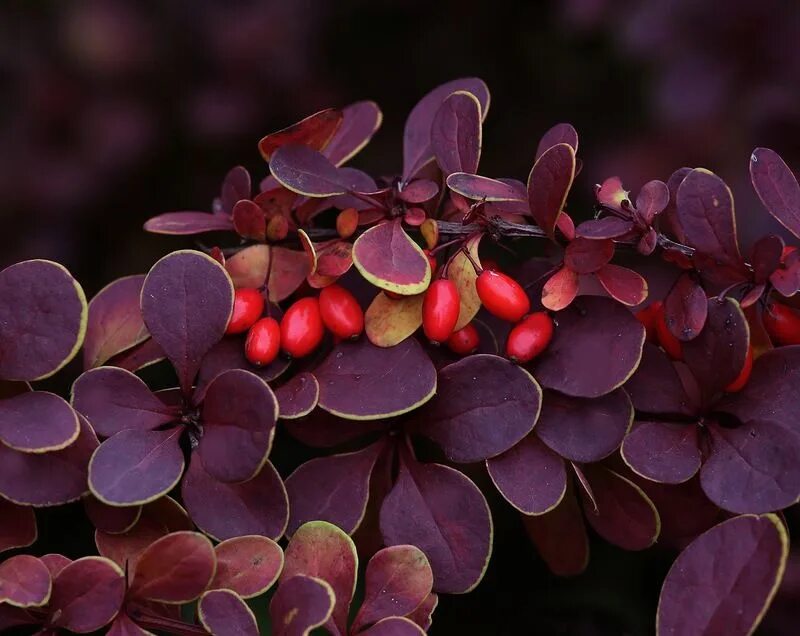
<point>440,310</point>
<point>786,251</point>
<point>530,337</point>
<point>744,374</point>
<point>302,328</point>
<point>666,339</point>
<point>341,312</point>
<point>502,295</point>
<point>431,260</point>
<point>248,305</point>
<point>263,342</point>
<point>782,324</point>
<point>465,340</point>
<point>648,317</point>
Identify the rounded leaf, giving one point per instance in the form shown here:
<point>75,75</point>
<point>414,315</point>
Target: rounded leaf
<point>37,422</point>
<point>661,451</point>
<point>298,397</point>
<point>301,604</point>
<point>389,321</point>
<point>224,613</point>
<point>24,581</point>
<point>248,565</point>
<point>388,258</point>
<point>87,594</point>
<point>17,526</point>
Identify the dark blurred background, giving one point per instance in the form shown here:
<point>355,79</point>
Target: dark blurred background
<point>114,111</point>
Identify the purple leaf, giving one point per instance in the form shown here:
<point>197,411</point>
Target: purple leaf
<point>323,430</point>
<point>138,357</point>
<point>596,347</point>
<point>653,198</point>
<point>417,150</point>
<point>301,604</point>
<point>115,321</point>
<point>664,452</point>
<point>423,615</point>
<point>17,526</point>
<point>43,312</point>
<point>363,382</point>
<point>548,185</point>
<point>87,594</point>
<point>187,300</point>
<point>24,581</point>
<point>235,187</point>
<point>558,134</point>
<point>456,133</point>
<point>305,171</point>
<point>360,121</point>
<point>224,613</point>
<point>483,406</point>
<point>388,258</point>
<point>473,186</point>
<point>686,308</point>
<point>418,191</point>
<point>766,257</point>
<point>221,510</point>
<point>623,284</point>
<point>530,476</point>
<point>777,188</point>
<point>607,227</point>
<point>443,513</point>
<point>114,400</point>
<point>188,223</point>
<point>247,565</point>
<point>669,222</point>
<point>111,519</point>
<point>298,397</point>
<point>672,501</point>
<point>333,489</point>
<point>134,466</point>
<point>584,430</point>
<point>314,132</point>
<point>724,581</point>
<point>249,220</point>
<point>586,256</point>
<point>37,422</point>
<point>657,386</point>
<point>394,626</point>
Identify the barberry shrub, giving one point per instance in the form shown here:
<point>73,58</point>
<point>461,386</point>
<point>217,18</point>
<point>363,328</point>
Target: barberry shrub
<point>635,373</point>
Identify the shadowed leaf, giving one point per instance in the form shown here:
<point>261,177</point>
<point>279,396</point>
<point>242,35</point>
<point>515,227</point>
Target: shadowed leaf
<point>394,626</point>
<point>586,256</point>
<point>17,526</point>
<point>658,387</point>
<point>111,519</point>
<point>776,187</point>
<point>548,185</point>
<point>686,308</point>
<point>456,133</point>
<point>607,227</point>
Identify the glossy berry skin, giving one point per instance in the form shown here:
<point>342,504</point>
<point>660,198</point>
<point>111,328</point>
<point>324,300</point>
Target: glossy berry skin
<point>744,374</point>
<point>440,309</point>
<point>263,342</point>
<point>648,317</point>
<point>248,305</point>
<point>302,328</point>
<point>530,337</point>
<point>666,339</point>
<point>502,295</point>
<point>782,324</point>
<point>340,312</point>
<point>465,340</point>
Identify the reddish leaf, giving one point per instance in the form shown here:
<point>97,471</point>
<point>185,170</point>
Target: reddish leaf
<point>560,289</point>
<point>548,185</point>
<point>766,257</point>
<point>456,133</point>
<point>623,284</point>
<point>776,187</point>
<point>611,194</point>
<point>419,191</point>
<point>323,430</point>
<point>558,134</point>
<point>306,171</point>
<point>388,258</point>
<point>111,519</point>
<point>724,581</point>
<point>224,613</point>
<point>315,131</point>
<point>423,615</point>
<point>249,220</point>
<point>476,187</point>
<point>176,568</point>
<point>235,187</point>
<point>138,357</point>
<point>123,625</point>
<point>24,581</point>
<point>653,198</point>
<point>658,387</point>
<point>394,626</point>
<point>87,594</point>
<point>248,565</point>
<point>188,223</point>
<point>114,321</point>
<point>360,121</point>
<point>301,604</point>
<point>686,308</point>
<point>607,227</point>
<point>17,526</point>
<point>37,422</point>
<point>55,563</point>
<point>248,268</point>
<point>664,452</point>
<point>586,256</point>
<point>298,397</point>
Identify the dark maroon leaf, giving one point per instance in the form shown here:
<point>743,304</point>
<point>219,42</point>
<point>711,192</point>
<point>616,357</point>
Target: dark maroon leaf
<point>138,357</point>
<point>766,257</point>
<point>247,565</point>
<point>315,131</point>
<point>24,581</point>
<point>249,220</point>
<point>87,594</point>
<point>652,199</point>
<point>360,121</point>
<point>111,519</point>
<point>558,134</point>
<point>704,210</point>
<point>43,312</point>
<point>333,489</point>
<point>183,223</point>
<point>114,400</point>
<point>657,387</point>
<point>123,625</point>
<point>664,452</point>
<point>584,430</point>
<point>776,187</point>
<point>607,227</point>
<point>548,185</point>
<point>301,604</point>
<point>724,581</point>
<point>298,397</point>
<point>134,466</point>
<point>456,133</point>
<point>222,510</point>
<point>17,526</point>
<point>187,300</point>
<point>530,476</point>
<point>585,256</point>
<point>417,150</point>
<point>363,382</point>
<point>306,171</point>
<point>224,613</point>
<point>591,330</point>
<point>686,308</point>
<point>387,257</point>
<point>321,429</point>
<point>483,406</point>
<point>115,321</point>
<point>623,284</point>
<point>394,626</point>
<point>235,187</point>
<point>443,513</point>
<point>36,422</point>
<point>473,186</point>
<point>668,221</point>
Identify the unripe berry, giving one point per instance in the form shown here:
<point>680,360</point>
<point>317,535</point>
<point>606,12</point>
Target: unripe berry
<point>248,305</point>
<point>465,340</point>
<point>440,309</point>
<point>530,337</point>
<point>302,328</point>
<point>782,324</point>
<point>502,295</point>
<point>744,374</point>
<point>263,342</point>
<point>341,312</point>
<point>666,338</point>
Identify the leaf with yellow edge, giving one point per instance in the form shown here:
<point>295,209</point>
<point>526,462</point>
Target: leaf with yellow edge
<point>388,258</point>
<point>462,273</point>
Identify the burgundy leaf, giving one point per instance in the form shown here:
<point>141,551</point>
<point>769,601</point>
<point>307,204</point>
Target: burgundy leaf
<point>333,489</point>
<point>443,513</point>
<point>123,625</point>
<point>363,382</point>
<point>315,131</point>
<point>110,519</point>
<point>301,604</point>
<point>657,387</point>
<point>114,321</point>
<point>188,223</point>
<point>530,476</point>
<point>473,186</point>
<point>394,626</point>
<point>248,565</point>
<point>664,452</point>
<point>187,300</point>
<point>724,581</point>
<point>558,134</point>
<point>360,121</point>
<point>17,526</point>
<point>249,220</point>
<point>456,133</point>
<point>37,422</point>
<point>24,581</point>
<point>138,357</point>
<point>548,185</point>
<point>560,289</point>
<point>653,198</point>
<point>323,430</point>
<point>306,171</point>
<point>483,406</point>
<point>418,191</point>
<point>224,613</point>
<point>672,501</point>
<point>87,594</point>
<point>43,312</point>
<point>55,563</point>
<point>776,187</point>
<point>686,308</point>
<point>248,268</point>
<point>235,187</point>
<point>585,256</point>
<point>623,284</point>
<point>766,257</point>
<point>423,615</point>
<point>669,219</point>
<point>223,511</point>
<point>607,227</point>
<point>298,397</point>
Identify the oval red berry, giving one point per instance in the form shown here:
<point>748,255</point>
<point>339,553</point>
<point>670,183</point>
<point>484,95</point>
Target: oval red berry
<point>530,337</point>
<point>782,324</point>
<point>263,342</point>
<point>302,328</point>
<point>666,338</point>
<point>440,310</point>
<point>465,340</point>
<point>248,305</point>
<point>502,295</point>
<point>340,311</point>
